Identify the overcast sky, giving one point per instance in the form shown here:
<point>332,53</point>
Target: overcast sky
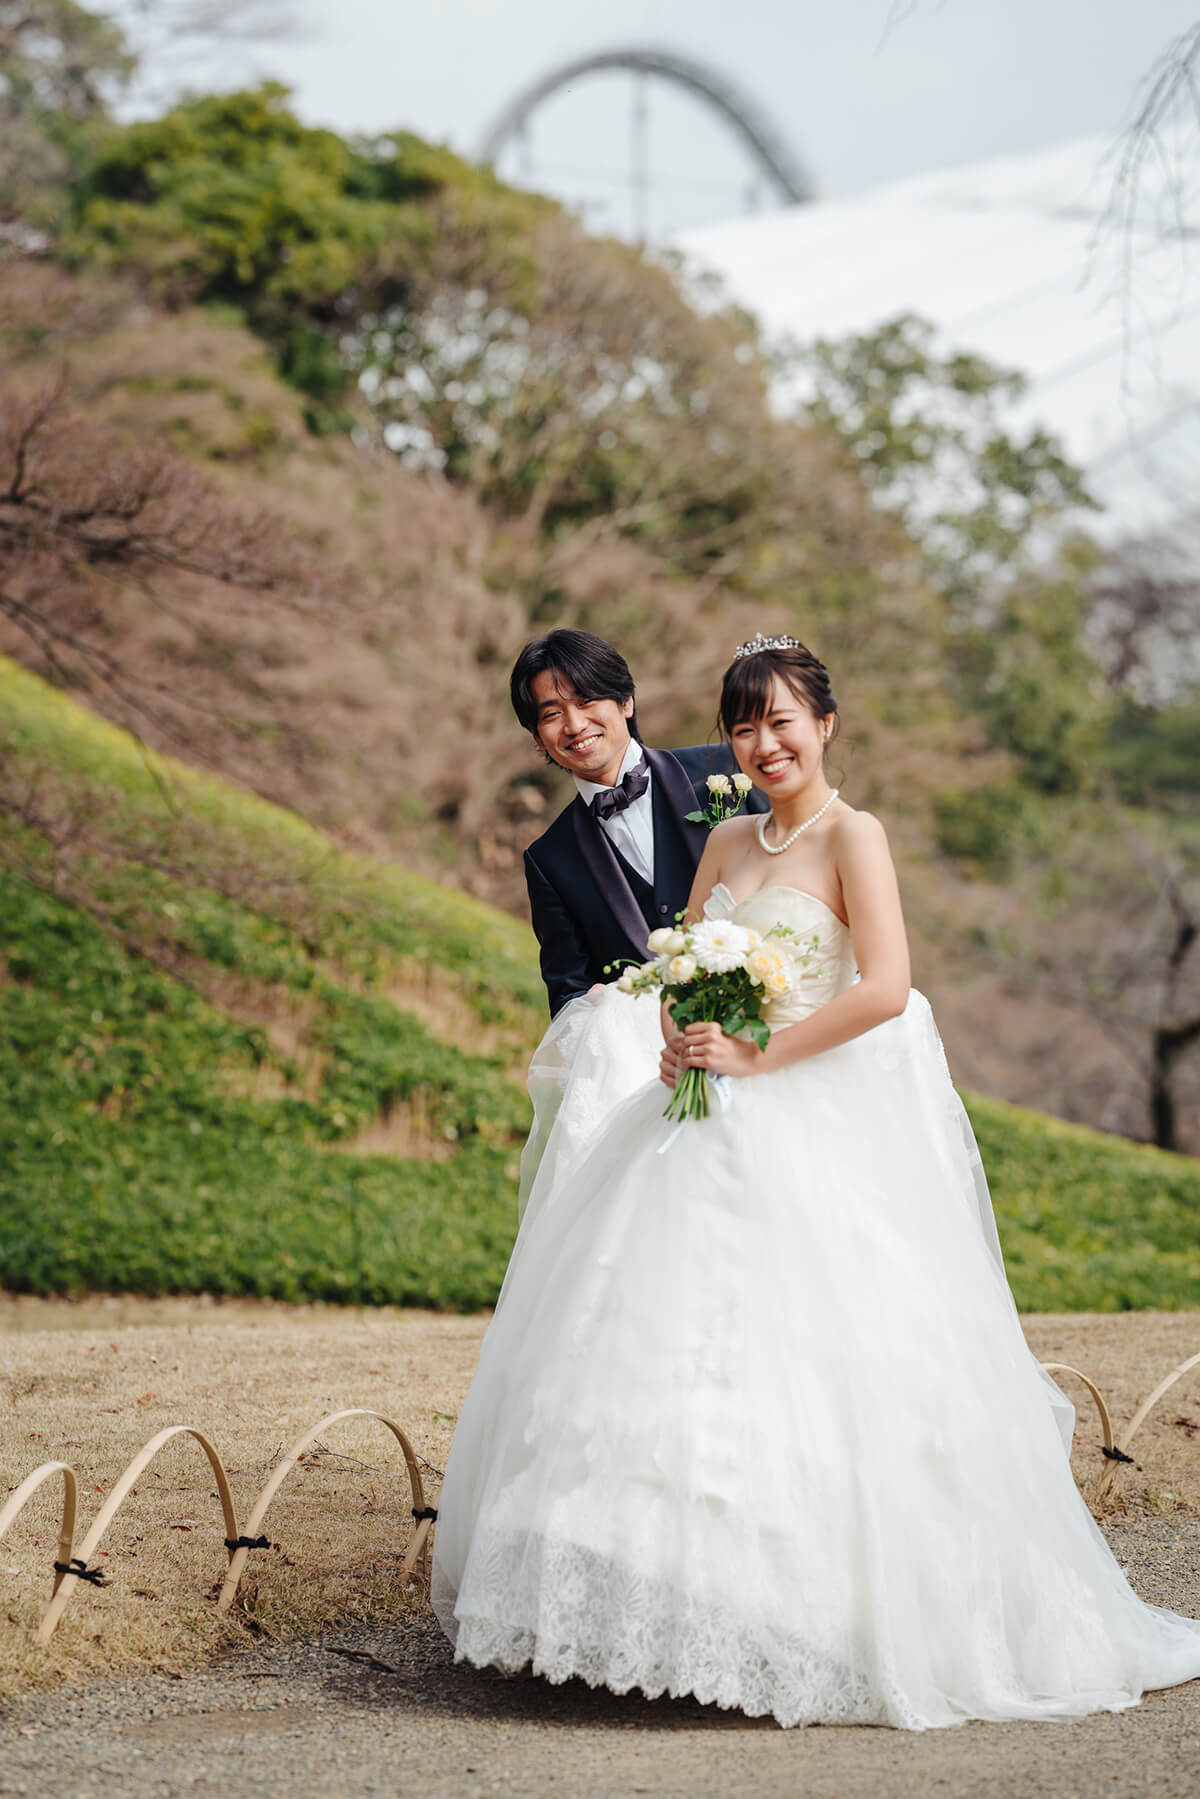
<point>863,89</point>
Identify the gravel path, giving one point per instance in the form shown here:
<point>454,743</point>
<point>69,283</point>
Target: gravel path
<point>373,1711</point>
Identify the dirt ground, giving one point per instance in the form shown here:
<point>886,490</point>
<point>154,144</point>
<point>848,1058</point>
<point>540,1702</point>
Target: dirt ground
<point>324,1635</point>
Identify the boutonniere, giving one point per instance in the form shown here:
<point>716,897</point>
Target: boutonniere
<point>725,795</point>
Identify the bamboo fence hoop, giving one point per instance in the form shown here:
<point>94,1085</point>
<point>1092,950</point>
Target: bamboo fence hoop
<point>28,1487</point>
<point>66,1586</point>
<point>67,1578</point>
<point>1140,1416</point>
<point>1093,1389</point>
<point>418,1541</point>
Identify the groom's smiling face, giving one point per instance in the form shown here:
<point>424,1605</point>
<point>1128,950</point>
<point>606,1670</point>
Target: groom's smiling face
<point>588,738</point>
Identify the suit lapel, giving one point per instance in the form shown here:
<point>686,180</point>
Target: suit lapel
<point>600,860</point>
<point>678,845</point>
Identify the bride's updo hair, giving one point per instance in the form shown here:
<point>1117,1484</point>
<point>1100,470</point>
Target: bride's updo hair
<point>750,681</point>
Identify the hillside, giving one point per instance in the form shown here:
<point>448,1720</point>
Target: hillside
<point>361,681</point>
<point>236,1059</point>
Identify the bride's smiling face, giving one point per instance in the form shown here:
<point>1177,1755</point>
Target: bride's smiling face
<point>783,750</point>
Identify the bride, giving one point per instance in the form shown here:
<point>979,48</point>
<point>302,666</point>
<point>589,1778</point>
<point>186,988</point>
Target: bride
<point>755,1419</point>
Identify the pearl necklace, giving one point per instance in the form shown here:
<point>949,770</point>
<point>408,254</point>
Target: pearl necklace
<point>778,848</point>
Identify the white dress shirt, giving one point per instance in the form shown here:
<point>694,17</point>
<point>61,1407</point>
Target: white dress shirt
<point>630,831</point>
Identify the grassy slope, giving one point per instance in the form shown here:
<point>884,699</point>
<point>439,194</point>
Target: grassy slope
<point>198,1031</point>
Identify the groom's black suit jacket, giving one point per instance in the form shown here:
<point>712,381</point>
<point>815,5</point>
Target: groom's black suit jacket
<point>589,906</point>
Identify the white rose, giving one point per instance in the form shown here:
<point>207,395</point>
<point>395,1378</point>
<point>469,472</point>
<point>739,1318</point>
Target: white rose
<point>681,969</point>
<point>719,784</point>
<point>675,945</point>
<point>742,782</point>
<point>660,941</point>
<point>625,981</point>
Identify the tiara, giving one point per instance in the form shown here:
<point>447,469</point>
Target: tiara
<point>759,642</point>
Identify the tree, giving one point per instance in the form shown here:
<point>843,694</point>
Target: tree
<point>1110,923</point>
<point>995,514</point>
<point>60,68</point>
<point>81,511</point>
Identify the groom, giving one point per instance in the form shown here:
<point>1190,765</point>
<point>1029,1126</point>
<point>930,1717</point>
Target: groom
<point>619,861</point>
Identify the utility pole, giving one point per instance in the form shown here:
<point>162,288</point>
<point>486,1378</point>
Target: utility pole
<point>640,176</point>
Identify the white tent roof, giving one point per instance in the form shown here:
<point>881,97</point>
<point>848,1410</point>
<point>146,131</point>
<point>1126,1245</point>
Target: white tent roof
<point>1016,259</point>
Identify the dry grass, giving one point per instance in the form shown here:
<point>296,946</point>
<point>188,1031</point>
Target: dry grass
<point>90,1382</point>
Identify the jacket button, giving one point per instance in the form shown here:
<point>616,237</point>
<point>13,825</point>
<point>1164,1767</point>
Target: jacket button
<point>663,910</point>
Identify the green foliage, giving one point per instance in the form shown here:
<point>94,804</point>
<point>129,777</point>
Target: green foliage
<point>1088,1222</point>
<point>61,64</point>
<point>1152,752</point>
<point>924,429</point>
<point>230,199</point>
<point>153,1135</point>
<point>985,825</point>
<point>1027,675</point>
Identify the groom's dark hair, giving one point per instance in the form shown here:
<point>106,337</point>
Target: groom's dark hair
<point>592,666</point>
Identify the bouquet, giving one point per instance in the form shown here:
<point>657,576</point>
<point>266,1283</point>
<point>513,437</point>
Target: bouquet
<point>717,972</point>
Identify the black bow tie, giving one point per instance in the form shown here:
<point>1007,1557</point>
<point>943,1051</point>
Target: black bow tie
<point>611,800</point>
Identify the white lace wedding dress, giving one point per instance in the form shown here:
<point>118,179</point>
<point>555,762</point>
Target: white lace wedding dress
<point>755,1419</point>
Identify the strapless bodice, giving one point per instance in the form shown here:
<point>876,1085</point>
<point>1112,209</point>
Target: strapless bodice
<point>820,945</point>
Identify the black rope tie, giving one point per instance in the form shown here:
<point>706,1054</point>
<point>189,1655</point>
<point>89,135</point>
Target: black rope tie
<point>425,1511</point>
<point>95,1576</point>
<point>232,1543</point>
<point>1114,1455</point>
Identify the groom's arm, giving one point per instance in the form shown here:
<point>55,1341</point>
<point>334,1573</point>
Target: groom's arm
<point>566,964</point>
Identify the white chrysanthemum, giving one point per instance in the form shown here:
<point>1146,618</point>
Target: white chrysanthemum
<point>718,946</point>
<point>719,784</point>
<point>742,782</point>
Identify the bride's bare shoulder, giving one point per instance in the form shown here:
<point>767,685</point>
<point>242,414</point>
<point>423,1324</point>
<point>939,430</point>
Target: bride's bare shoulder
<point>855,831</point>
<point>734,830</point>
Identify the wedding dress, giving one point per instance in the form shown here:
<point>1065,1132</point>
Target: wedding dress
<point>755,1419</point>
<point>599,1049</point>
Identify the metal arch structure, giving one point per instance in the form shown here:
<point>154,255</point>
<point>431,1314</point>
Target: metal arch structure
<point>747,119</point>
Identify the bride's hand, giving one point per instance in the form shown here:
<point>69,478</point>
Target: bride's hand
<point>707,1046</point>
<point>669,1065</point>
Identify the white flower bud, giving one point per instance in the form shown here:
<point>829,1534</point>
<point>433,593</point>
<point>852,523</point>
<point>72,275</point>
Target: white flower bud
<point>625,981</point>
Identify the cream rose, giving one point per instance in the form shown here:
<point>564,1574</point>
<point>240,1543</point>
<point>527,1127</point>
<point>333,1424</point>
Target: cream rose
<point>625,981</point>
<point>761,964</point>
<point>719,784</point>
<point>681,969</point>
<point>658,940</point>
<point>742,782</point>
